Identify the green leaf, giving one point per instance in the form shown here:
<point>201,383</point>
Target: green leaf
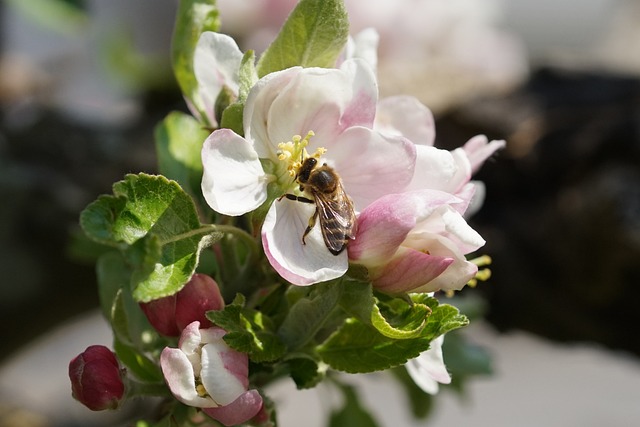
<point>352,412</point>
<point>248,331</point>
<point>179,139</point>
<point>313,36</point>
<point>308,314</point>
<point>113,274</point>
<point>398,319</point>
<point>154,222</point>
<point>359,348</point>
<point>66,17</point>
<point>193,18</point>
<point>357,299</point>
<point>305,370</point>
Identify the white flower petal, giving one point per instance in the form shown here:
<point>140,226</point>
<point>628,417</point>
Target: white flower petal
<point>300,264</point>
<point>428,369</point>
<point>180,377</point>
<point>233,182</point>
<point>216,60</point>
<point>438,169</point>
<point>217,378</point>
<point>406,116</point>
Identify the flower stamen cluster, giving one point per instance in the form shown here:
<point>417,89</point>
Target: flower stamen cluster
<point>294,153</point>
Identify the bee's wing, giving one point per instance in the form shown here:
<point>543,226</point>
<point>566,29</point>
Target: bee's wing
<point>337,220</point>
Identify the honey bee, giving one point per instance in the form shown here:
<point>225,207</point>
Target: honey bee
<point>333,206</point>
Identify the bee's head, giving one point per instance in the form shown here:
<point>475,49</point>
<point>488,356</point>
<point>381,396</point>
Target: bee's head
<point>305,170</point>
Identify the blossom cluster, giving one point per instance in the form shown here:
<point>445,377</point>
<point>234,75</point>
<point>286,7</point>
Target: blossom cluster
<point>332,208</point>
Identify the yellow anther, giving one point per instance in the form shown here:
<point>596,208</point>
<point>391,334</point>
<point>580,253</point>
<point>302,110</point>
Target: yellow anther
<point>202,392</point>
<point>293,152</point>
<point>481,261</point>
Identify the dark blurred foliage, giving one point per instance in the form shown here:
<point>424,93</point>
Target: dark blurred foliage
<point>50,169</point>
<point>562,212</point>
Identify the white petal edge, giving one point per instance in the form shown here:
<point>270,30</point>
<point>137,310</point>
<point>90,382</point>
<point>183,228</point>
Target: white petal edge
<point>233,182</point>
<point>406,116</point>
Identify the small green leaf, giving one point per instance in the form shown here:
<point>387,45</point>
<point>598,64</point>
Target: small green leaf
<point>247,75</point>
<point>179,139</point>
<point>352,412</point>
<point>248,331</point>
<point>308,314</point>
<point>113,274</point>
<point>137,363</point>
<point>193,18</point>
<point>232,118</point>
<point>357,299</point>
<point>313,36</point>
<point>155,223</point>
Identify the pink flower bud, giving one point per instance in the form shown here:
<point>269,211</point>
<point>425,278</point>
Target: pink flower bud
<point>96,378</point>
<point>170,315</point>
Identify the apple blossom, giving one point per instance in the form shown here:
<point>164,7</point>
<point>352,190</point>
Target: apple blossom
<point>335,109</point>
<point>96,378</point>
<point>206,373</point>
<point>428,369</point>
<point>170,315</point>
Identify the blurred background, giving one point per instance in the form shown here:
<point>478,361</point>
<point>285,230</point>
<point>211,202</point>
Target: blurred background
<point>84,82</point>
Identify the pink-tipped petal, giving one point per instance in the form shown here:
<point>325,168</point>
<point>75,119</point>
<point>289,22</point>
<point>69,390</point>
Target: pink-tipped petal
<point>239,411</point>
<point>300,264</point>
<point>406,116</point>
<point>222,370</point>
<point>233,182</point>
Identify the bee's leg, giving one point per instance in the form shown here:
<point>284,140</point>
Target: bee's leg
<point>297,198</point>
<point>312,222</point>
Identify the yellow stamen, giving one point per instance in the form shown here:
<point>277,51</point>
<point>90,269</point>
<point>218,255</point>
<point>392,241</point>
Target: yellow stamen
<point>294,152</point>
<point>202,392</point>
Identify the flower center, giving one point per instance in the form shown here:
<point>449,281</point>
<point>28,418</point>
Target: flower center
<point>293,153</point>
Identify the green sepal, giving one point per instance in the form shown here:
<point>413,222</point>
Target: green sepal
<point>248,331</point>
<point>313,36</point>
<point>232,118</point>
<point>137,363</point>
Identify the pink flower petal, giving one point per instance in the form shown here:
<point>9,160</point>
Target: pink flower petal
<point>479,149</point>
<point>300,264</point>
<point>408,270</point>
<point>370,164</point>
<point>239,411</point>
<point>233,182</point>
<point>406,116</point>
